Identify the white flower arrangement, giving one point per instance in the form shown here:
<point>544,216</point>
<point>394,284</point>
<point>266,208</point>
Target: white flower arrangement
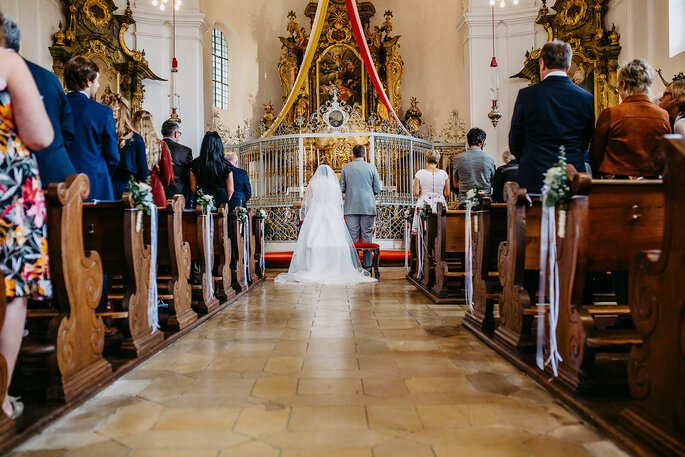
<point>473,197</point>
<point>242,214</point>
<point>423,210</point>
<point>262,213</point>
<point>408,214</point>
<point>141,192</point>
<point>556,189</point>
<point>205,201</point>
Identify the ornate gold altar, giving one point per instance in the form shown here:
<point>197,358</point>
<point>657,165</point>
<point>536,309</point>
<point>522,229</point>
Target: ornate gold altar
<point>595,49</point>
<point>337,62</point>
<point>93,30</point>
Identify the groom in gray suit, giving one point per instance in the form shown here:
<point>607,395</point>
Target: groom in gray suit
<point>360,183</point>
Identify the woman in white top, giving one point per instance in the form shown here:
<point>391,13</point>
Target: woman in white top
<point>431,185</point>
<point>676,107</point>
<point>324,253</point>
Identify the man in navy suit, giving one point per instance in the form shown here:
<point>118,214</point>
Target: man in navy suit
<point>550,114</point>
<point>54,164</point>
<point>95,151</point>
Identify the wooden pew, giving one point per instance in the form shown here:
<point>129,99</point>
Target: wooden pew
<point>492,230</point>
<point>656,368</point>
<point>449,251</point>
<point>222,250</point>
<point>7,426</point>
<point>608,224</point>
<point>110,229</point>
<point>174,252</point>
<point>194,222</point>
<point>239,281</point>
<point>257,231</point>
<point>76,365</point>
<point>520,253</point>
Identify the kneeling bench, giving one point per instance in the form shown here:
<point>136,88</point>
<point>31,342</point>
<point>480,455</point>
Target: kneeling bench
<point>375,250</point>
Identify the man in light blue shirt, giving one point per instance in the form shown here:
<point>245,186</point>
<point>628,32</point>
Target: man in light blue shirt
<point>473,167</point>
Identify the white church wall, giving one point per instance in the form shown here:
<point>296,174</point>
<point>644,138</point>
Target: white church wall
<point>515,33</point>
<point>645,28</point>
<point>434,63</point>
<point>38,21</point>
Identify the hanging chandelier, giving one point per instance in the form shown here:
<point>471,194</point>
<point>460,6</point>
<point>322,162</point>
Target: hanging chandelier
<point>495,115</point>
<point>176,4</point>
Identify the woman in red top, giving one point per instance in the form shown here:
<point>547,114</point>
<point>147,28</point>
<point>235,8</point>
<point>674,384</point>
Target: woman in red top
<point>158,156</point>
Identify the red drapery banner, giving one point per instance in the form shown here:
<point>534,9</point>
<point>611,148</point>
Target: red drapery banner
<point>368,61</point>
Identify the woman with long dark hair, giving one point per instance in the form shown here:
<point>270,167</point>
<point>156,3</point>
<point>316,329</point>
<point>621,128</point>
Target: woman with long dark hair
<point>211,172</point>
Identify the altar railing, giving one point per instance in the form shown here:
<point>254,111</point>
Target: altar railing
<point>280,167</point>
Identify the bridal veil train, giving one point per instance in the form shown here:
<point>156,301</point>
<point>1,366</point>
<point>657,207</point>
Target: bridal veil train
<point>324,253</point>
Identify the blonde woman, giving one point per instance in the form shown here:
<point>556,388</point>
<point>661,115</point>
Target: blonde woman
<point>131,148</point>
<point>158,156</point>
<point>673,101</point>
<point>431,185</point>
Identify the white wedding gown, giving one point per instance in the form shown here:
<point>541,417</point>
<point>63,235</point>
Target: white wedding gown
<point>324,253</point>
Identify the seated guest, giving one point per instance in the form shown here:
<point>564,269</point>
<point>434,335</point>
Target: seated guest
<point>24,124</point>
<point>94,151</point>
<point>473,167</point>
<point>131,148</point>
<point>504,174</point>
<point>181,156</point>
<point>431,185</point>
<point>626,134</point>
<point>553,113</point>
<point>54,163</point>
<point>211,172</point>
<point>242,191</point>
<point>673,101</point>
<point>158,156</point>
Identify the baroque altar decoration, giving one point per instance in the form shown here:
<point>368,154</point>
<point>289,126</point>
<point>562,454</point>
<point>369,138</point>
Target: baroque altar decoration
<point>595,48</point>
<point>94,31</point>
<point>337,62</point>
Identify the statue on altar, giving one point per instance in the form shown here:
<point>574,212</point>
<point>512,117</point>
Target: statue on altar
<point>412,118</point>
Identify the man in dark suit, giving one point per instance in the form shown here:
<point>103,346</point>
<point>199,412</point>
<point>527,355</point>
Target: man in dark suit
<point>507,172</point>
<point>54,164</point>
<point>181,157</point>
<point>95,150</point>
<point>242,191</point>
<point>550,114</point>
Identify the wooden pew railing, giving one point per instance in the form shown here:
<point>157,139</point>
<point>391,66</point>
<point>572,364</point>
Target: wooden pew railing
<point>608,224</point>
<point>518,266</point>
<point>656,367</point>
<point>110,229</point>
<point>173,253</point>
<point>492,230</point>
<point>239,280</point>
<point>222,251</point>
<point>194,233</point>
<point>448,253</point>
<point>257,226</point>
<point>77,364</point>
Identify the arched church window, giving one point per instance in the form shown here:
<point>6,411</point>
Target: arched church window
<point>219,70</point>
<point>676,31</point>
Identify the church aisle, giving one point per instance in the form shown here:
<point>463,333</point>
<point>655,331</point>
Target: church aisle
<point>372,370</point>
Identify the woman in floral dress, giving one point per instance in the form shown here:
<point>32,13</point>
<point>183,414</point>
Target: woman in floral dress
<point>24,124</point>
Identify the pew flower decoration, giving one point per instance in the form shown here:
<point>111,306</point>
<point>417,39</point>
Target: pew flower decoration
<point>141,192</point>
<point>242,214</point>
<point>268,223</point>
<point>557,189</point>
<point>205,201</point>
<point>408,214</point>
<point>423,210</point>
<point>474,201</point>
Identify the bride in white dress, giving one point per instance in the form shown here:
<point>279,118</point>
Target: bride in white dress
<point>324,253</point>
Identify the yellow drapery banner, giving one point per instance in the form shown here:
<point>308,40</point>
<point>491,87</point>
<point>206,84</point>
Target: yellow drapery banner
<point>312,46</point>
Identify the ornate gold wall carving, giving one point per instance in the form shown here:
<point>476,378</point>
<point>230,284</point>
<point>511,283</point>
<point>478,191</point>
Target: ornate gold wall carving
<point>595,48</point>
<point>93,30</point>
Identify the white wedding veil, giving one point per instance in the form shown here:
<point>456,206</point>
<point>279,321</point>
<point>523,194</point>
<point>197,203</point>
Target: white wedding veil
<point>323,188</point>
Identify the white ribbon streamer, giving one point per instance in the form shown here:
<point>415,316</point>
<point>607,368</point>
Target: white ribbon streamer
<point>209,254</point>
<point>262,254</point>
<point>548,260</point>
<point>407,240</point>
<point>419,249</point>
<point>246,250</point>
<point>152,297</point>
<point>468,259</point>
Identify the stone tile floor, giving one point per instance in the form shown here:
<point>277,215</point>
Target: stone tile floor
<point>294,371</point>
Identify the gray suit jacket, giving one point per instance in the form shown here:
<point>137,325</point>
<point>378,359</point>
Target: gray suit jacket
<point>360,183</point>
